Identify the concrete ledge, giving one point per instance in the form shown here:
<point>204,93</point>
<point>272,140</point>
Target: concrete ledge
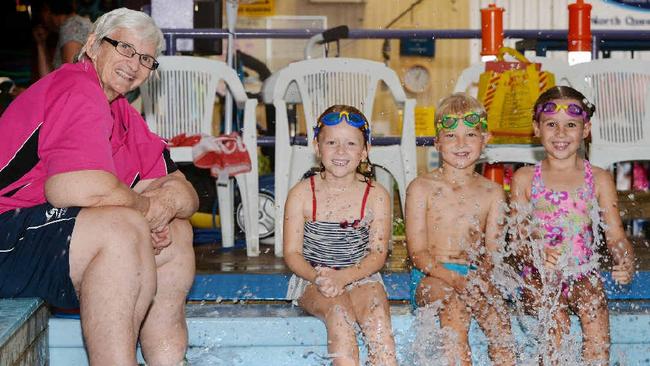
<point>283,335</point>
<point>273,286</point>
<point>23,332</point>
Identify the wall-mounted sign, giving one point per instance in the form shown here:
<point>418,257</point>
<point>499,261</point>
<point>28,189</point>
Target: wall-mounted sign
<point>256,8</point>
<point>417,47</point>
<point>636,4</point>
<point>620,14</point>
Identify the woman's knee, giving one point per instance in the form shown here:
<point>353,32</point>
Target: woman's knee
<point>182,240</point>
<point>116,238</point>
<point>116,226</point>
<point>178,257</point>
<point>182,230</point>
<point>117,232</point>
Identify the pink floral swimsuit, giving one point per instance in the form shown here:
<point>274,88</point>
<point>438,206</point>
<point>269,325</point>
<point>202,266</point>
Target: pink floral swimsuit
<point>565,220</point>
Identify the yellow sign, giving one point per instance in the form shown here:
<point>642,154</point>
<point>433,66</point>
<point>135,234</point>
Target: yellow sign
<point>424,124</point>
<point>257,8</point>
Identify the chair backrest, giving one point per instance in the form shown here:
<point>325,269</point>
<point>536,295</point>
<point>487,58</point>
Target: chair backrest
<point>181,99</point>
<point>467,81</point>
<point>324,82</point>
<point>620,90</point>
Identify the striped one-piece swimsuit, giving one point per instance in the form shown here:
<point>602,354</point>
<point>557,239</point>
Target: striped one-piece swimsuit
<point>335,244</point>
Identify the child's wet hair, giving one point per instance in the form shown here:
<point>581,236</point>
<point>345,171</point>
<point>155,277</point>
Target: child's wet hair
<point>343,108</point>
<point>459,104</point>
<point>564,92</point>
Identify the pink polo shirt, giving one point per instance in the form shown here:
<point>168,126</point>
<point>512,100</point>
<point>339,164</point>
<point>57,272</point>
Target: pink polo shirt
<point>64,123</point>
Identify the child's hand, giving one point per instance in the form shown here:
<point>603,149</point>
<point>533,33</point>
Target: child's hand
<point>329,282</point>
<point>623,272</point>
<point>325,287</point>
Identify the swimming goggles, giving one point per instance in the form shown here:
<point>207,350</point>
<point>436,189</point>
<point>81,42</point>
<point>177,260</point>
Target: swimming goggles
<point>571,109</point>
<point>470,119</point>
<point>353,119</point>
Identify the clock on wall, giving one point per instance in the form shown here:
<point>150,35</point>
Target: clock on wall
<point>416,78</point>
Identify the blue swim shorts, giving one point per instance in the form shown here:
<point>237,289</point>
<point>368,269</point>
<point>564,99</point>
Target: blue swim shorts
<point>417,276</point>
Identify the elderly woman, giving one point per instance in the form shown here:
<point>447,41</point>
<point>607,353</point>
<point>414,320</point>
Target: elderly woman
<point>93,213</point>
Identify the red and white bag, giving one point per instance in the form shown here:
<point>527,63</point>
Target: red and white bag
<point>225,155</point>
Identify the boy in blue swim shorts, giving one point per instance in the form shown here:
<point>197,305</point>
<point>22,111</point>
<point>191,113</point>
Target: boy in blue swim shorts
<point>452,224</point>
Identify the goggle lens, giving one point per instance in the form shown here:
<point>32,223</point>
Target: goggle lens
<point>571,109</point>
<point>355,120</point>
<point>472,119</point>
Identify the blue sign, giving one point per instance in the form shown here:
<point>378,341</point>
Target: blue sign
<point>636,4</point>
<point>417,47</point>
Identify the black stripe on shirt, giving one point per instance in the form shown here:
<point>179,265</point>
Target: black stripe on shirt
<point>22,162</point>
<point>169,163</point>
<point>135,181</point>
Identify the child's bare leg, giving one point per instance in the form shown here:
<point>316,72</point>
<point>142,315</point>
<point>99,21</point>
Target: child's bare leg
<point>560,328</point>
<point>453,315</point>
<point>338,315</point>
<point>588,301</point>
<point>560,323</point>
<point>372,312</point>
<point>493,317</point>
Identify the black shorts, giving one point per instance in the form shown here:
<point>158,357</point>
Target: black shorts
<point>34,254</point>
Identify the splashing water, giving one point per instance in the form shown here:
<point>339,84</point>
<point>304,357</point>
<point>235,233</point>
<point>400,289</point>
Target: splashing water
<point>427,347</point>
<point>534,330</point>
<point>539,346</point>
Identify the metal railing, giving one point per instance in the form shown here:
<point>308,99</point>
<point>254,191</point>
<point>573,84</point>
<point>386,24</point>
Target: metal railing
<point>599,37</point>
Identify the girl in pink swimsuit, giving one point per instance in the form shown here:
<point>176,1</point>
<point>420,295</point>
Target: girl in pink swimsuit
<point>565,193</point>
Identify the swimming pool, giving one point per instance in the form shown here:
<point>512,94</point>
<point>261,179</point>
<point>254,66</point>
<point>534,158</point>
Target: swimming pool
<point>283,335</point>
<point>280,334</point>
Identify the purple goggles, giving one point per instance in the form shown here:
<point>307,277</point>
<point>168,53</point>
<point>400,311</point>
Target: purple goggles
<point>572,109</point>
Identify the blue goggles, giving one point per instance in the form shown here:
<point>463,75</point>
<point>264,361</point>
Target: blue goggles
<point>353,119</point>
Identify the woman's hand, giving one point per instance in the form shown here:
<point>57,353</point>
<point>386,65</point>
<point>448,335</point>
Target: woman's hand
<point>161,239</point>
<point>161,208</point>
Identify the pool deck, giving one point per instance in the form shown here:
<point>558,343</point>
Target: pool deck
<point>23,332</point>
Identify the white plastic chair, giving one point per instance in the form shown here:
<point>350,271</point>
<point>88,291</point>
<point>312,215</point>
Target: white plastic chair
<point>181,100</point>
<point>620,90</point>
<point>467,82</point>
<point>321,83</point>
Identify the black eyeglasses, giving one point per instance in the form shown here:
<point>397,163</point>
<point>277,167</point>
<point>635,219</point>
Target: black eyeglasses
<point>127,50</point>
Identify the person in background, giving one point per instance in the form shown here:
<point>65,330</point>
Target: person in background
<point>93,212</point>
<point>452,226</point>
<point>59,17</point>
<point>336,231</point>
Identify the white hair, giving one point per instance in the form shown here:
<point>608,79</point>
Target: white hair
<point>124,18</point>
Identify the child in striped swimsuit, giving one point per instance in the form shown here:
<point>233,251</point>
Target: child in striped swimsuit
<point>565,193</point>
<point>336,231</point>
<point>452,226</point>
